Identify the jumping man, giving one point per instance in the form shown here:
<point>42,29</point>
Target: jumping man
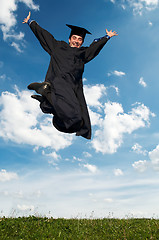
<point>61,94</point>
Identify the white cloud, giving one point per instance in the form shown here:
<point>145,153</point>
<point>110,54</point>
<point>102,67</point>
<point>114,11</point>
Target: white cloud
<point>20,194</point>
<point>150,23</point>
<point>139,6</point>
<point>24,207</point>
<point>30,4</point>
<point>87,154</point>
<point>118,172</point>
<point>123,6</point>
<point>84,79</point>
<point>8,18</point>
<point>153,162</point>
<point>108,200</point>
<point>154,157</point>
<point>140,165</point>
<point>91,168</point>
<point>54,158</point>
<point>17,47</point>
<point>138,149</point>
<point>3,77</point>
<point>142,82</point>
<point>7,176</point>
<point>17,37</point>
<point>81,192</point>
<point>116,89</point>
<point>93,94</point>
<point>77,159</point>
<point>22,121</point>
<point>109,136</point>
<point>117,73</point>
<point>96,118</point>
<point>53,155</point>
<point>150,2</point>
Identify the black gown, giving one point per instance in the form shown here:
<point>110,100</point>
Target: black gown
<point>69,109</point>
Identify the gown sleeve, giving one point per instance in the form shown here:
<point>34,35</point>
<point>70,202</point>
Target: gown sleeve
<point>47,41</point>
<point>93,50</point>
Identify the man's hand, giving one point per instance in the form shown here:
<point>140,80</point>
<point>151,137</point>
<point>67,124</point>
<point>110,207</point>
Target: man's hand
<point>27,18</point>
<point>111,33</point>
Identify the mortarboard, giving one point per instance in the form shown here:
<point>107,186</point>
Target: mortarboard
<point>78,31</point>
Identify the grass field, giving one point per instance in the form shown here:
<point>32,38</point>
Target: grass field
<point>30,228</point>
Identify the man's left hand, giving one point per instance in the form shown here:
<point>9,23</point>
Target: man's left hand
<point>111,33</point>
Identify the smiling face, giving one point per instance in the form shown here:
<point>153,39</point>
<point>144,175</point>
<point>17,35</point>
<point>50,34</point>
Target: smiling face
<point>75,41</point>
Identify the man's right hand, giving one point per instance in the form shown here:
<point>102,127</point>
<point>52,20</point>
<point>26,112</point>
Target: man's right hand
<point>27,18</point>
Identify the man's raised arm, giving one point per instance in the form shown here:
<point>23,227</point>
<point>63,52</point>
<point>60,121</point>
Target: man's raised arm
<point>93,50</point>
<point>47,41</point>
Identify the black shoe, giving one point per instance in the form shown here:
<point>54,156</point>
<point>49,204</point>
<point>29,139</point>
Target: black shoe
<point>41,88</point>
<point>38,97</point>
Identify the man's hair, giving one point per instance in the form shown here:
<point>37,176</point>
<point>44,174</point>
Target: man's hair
<point>77,35</point>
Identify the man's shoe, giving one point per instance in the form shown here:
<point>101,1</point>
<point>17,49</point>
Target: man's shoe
<point>38,97</point>
<point>40,88</point>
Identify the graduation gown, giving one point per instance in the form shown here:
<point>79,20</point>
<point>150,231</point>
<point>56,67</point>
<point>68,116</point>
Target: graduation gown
<point>68,105</point>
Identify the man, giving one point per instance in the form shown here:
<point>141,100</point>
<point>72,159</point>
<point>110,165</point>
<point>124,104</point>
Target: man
<point>62,91</point>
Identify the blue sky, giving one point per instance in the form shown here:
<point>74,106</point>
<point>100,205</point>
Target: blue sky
<point>45,172</point>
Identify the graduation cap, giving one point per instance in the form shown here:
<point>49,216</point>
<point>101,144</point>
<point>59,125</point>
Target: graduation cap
<point>78,31</point>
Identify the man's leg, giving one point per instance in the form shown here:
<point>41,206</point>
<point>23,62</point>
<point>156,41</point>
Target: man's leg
<point>63,104</point>
<point>40,88</point>
<point>67,108</point>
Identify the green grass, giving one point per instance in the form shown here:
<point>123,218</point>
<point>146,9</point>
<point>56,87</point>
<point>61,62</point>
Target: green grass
<point>30,228</point>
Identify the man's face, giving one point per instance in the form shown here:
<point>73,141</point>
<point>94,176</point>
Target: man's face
<point>75,41</point>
